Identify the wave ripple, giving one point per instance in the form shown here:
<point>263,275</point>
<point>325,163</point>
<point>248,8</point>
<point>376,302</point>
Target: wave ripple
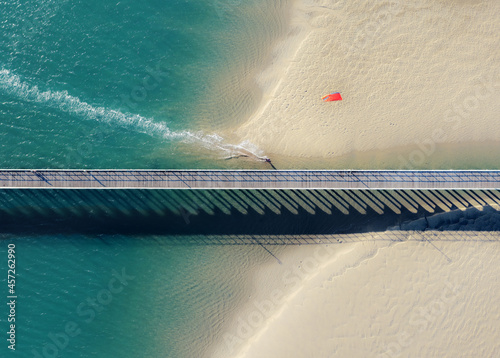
<point>63,101</point>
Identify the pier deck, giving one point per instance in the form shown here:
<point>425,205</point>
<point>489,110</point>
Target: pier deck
<point>249,179</point>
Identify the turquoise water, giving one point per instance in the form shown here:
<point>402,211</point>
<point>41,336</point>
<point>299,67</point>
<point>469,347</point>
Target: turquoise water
<point>186,260</point>
<point>186,286</point>
<point>171,303</point>
<point>126,84</point>
<point>131,84</point>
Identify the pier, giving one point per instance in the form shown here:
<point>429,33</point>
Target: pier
<point>249,179</point>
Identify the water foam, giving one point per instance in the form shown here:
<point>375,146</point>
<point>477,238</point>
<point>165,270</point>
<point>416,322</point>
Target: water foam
<point>62,100</point>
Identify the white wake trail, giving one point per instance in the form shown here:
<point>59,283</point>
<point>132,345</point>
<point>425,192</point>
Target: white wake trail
<point>62,100</point>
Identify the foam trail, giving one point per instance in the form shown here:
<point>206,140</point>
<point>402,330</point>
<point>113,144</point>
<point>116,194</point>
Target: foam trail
<point>62,100</point>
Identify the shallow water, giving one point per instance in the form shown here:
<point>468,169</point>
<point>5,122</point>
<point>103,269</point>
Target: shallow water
<point>122,85</point>
<point>150,84</point>
<point>171,303</point>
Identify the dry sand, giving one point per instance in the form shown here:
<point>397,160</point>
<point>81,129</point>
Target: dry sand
<point>412,73</point>
<point>376,299</point>
<point>398,293</point>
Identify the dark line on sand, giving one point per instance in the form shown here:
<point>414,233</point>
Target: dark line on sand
<point>269,252</point>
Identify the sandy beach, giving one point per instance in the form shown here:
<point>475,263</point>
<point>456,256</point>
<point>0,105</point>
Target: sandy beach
<point>432,294</point>
<point>419,79</point>
<point>413,75</point>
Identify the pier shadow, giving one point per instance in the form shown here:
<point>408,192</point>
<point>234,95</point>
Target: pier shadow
<point>228,216</point>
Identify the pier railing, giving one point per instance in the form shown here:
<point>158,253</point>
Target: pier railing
<point>249,179</point>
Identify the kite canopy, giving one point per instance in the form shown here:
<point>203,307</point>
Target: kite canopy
<point>332,97</point>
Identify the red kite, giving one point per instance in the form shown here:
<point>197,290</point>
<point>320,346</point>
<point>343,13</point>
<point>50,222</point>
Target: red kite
<point>332,97</point>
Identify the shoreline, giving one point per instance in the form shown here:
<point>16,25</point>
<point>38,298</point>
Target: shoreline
<point>272,285</point>
<point>357,298</point>
<point>387,302</point>
<point>394,96</point>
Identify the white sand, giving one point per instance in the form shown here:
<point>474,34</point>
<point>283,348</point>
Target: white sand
<point>271,285</point>
<point>412,73</point>
<point>391,294</point>
<point>380,300</point>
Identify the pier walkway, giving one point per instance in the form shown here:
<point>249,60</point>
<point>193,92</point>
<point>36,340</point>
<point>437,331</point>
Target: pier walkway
<point>249,179</point>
